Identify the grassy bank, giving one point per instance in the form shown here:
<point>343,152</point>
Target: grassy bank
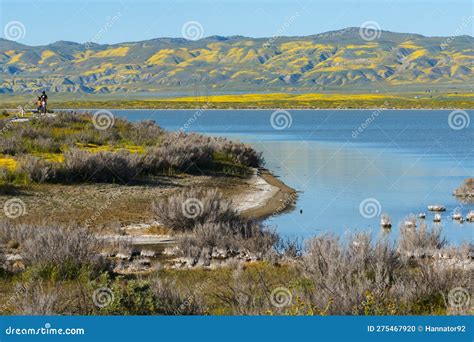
<point>79,148</point>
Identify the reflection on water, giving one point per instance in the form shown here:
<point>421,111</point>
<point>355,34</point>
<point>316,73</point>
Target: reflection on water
<point>335,178</point>
<point>404,160</point>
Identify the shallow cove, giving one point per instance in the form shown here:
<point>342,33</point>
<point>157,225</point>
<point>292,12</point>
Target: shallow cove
<point>404,159</point>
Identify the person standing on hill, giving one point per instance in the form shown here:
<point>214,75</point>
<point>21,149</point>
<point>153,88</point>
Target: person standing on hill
<point>39,105</point>
<point>44,101</point>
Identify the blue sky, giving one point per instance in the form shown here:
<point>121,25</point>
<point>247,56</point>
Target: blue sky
<point>110,21</point>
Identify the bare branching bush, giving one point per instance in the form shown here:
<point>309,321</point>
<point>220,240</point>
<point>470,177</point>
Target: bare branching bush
<point>213,235</point>
<point>69,249</point>
<point>186,208</point>
<point>255,290</point>
<point>38,299</point>
<point>144,133</point>
<point>343,275</point>
<point>369,278</point>
<point>62,250</point>
<point>62,119</point>
<point>212,223</point>
<point>10,232</point>
<point>418,241</point>
<point>246,294</point>
<point>241,153</point>
<point>98,167</point>
<point>255,238</point>
<point>182,152</point>
<point>47,145</point>
<point>12,145</point>
<point>83,166</point>
<point>248,237</point>
<point>172,300</point>
<point>426,282</point>
<point>290,247</point>
<point>38,170</point>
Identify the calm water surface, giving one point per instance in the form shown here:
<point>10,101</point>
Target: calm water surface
<point>402,160</point>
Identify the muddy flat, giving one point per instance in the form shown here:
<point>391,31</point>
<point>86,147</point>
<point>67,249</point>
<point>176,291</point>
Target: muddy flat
<point>104,207</point>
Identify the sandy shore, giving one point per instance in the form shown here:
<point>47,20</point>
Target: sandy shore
<point>260,196</point>
<point>265,196</point>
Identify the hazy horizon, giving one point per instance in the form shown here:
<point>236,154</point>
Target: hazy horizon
<point>217,35</point>
<point>113,22</point>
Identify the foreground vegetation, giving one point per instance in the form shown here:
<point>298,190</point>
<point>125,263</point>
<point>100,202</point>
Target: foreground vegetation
<point>417,100</point>
<point>60,269</point>
<point>63,268</point>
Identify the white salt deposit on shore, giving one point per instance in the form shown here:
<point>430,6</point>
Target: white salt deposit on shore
<point>257,195</point>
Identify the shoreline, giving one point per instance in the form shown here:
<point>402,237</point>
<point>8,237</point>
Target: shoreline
<point>264,195</point>
<point>258,108</point>
<point>276,198</point>
<point>257,197</point>
<point>285,108</point>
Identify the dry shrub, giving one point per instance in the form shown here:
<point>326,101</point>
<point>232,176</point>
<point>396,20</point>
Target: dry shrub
<point>38,170</point>
<point>10,232</point>
<point>38,299</point>
<point>60,250</point>
<point>46,144</point>
<point>362,277</point>
<point>424,287</point>
<point>245,236</point>
<point>180,152</point>
<point>186,208</point>
<point>255,288</point>
<point>240,153</point>
<point>420,240</point>
<point>173,300</point>
<point>99,167</point>
<point>12,145</point>
<point>191,152</point>
<point>144,133</point>
<point>258,240</point>
<point>342,275</point>
<point>61,120</point>
<point>291,248</point>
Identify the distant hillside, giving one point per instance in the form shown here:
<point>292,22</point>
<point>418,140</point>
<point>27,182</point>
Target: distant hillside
<point>338,59</point>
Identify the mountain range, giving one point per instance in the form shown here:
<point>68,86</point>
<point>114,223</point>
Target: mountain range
<point>332,60</point>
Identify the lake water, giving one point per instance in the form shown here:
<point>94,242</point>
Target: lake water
<point>345,163</point>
